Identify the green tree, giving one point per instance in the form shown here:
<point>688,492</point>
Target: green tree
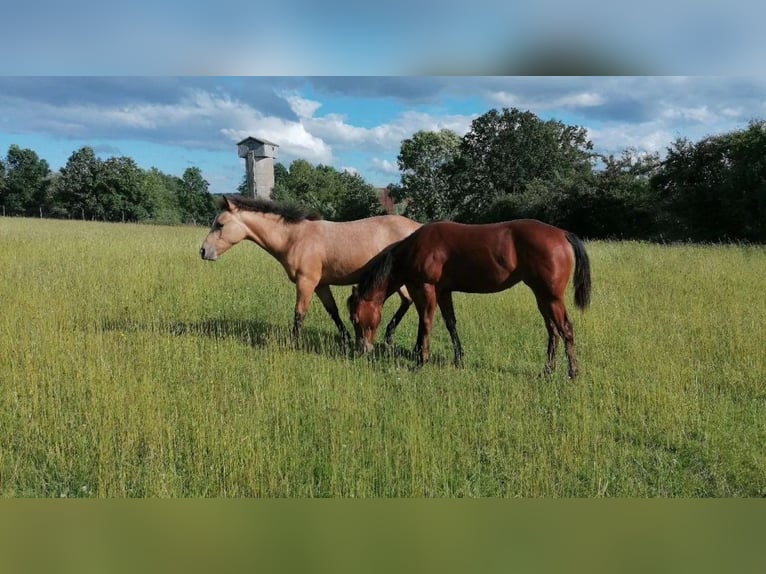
<point>195,202</point>
<point>161,196</point>
<point>76,187</point>
<point>423,161</point>
<point>339,196</point>
<point>715,189</point>
<point>27,182</point>
<point>621,203</point>
<point>504,152</point>
<point>356,199</point>
<point>2,183</point>
<point>120,190</point>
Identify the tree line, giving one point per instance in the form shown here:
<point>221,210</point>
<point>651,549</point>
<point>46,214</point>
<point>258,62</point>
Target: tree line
<point>510,164</point>
<point>87,187</point>
<point>116,189</point>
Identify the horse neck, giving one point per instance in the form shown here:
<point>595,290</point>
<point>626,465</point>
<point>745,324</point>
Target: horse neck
<point>379,293</point>
<point>384,288</point>
<point>268,230</point>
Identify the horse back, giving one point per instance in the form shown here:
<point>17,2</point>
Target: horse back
<point>489,257</point>
<point>339,250</point>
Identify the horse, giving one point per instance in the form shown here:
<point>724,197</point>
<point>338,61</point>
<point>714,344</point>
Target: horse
<point>314,253</point>
<point>445,256</point>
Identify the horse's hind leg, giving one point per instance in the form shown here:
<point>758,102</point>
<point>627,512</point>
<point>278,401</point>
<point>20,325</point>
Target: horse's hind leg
<point>566,329</point>
<point>404,306</point>
<point>544,305</point>
<point>448,312</point>
<point>325,296</point>
<point>557,312</point>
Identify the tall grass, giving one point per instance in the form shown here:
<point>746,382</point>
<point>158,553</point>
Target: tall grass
<point>129,367</point>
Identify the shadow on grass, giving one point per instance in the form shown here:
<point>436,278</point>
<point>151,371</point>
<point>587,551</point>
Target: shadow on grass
<point>251,332</point>
<point>261,334</point>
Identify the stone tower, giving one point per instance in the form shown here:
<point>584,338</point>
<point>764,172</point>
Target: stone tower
<point>259,157</point>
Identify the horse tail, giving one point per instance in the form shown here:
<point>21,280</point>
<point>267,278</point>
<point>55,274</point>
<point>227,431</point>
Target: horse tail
<point>582,283</point>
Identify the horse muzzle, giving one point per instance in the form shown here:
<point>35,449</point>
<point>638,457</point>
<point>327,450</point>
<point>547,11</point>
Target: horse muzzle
<point>208,254</point>
<point>364,346</point>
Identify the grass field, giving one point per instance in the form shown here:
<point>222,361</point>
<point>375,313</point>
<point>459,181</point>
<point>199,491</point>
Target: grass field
<point>129,367</point>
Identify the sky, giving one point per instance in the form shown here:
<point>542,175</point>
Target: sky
<point>351,123</point>
<point>343,82</point>
<point>354,123</point>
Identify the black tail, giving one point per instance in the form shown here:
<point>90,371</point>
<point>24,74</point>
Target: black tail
<point>582,283</point>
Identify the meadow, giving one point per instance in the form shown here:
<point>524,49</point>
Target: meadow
<point>131,368</point>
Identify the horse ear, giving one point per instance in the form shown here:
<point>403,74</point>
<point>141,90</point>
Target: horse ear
<point>228,203</point>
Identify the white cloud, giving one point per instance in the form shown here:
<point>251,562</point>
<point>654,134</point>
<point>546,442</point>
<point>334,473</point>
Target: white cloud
<point>387,136</point>
<point>350,169</point>
<point>302,107</point>
<point>648,137</point>
<point>696,114</point>
<point>570,100</point>
<point>384,166</point>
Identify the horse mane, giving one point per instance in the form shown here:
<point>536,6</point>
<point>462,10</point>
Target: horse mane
<point>290,212</point>
<point>378,269</point>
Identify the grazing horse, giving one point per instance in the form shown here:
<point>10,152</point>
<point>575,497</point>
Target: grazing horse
<point>314,253</point>
<point>443,257</point>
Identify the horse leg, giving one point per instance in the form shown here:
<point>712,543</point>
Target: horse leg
<point>557,319</point>
<point>543,304</point>
<point>425,302</point>
<point>400,312</point>
<point>304,290</point>
<point>448,312</point>
<point>566,330</point>
<point>325,296</point>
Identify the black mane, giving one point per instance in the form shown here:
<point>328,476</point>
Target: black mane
<point>290,212</point>
<point>377,270</point>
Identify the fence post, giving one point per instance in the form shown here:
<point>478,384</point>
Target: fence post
<point>41,213</point>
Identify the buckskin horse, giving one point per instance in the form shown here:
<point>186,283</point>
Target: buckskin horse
<point>443,257</point>
<point>315,253</point>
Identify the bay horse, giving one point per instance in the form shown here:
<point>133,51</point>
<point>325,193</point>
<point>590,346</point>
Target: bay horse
<point>443,257</point>
<point>315,253</point>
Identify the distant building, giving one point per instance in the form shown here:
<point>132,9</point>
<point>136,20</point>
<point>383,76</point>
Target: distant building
<point>259,157</point>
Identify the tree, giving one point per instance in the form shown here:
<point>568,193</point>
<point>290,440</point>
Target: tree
<point>120,190</point>
<point>162,196</point>
<point>506,151</point>
<point>2,183</point>
<point>76,186</point>
<point>715,189</point>
<point>339,196</point>
<point>27,182</point>
<point>356,198</point>
<point>422,160</point>
<point>195,202</point>
<point>621,203</point>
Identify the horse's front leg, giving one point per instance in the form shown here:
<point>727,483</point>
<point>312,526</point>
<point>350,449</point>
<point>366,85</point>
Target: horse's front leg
<point>448,312</point>
<point>425,302</point>
<point>304,290</point>
<point>404,306</point>
<point>325,296</point>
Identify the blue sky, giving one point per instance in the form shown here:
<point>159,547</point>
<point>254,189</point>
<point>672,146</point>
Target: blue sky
<point>349,122</point>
